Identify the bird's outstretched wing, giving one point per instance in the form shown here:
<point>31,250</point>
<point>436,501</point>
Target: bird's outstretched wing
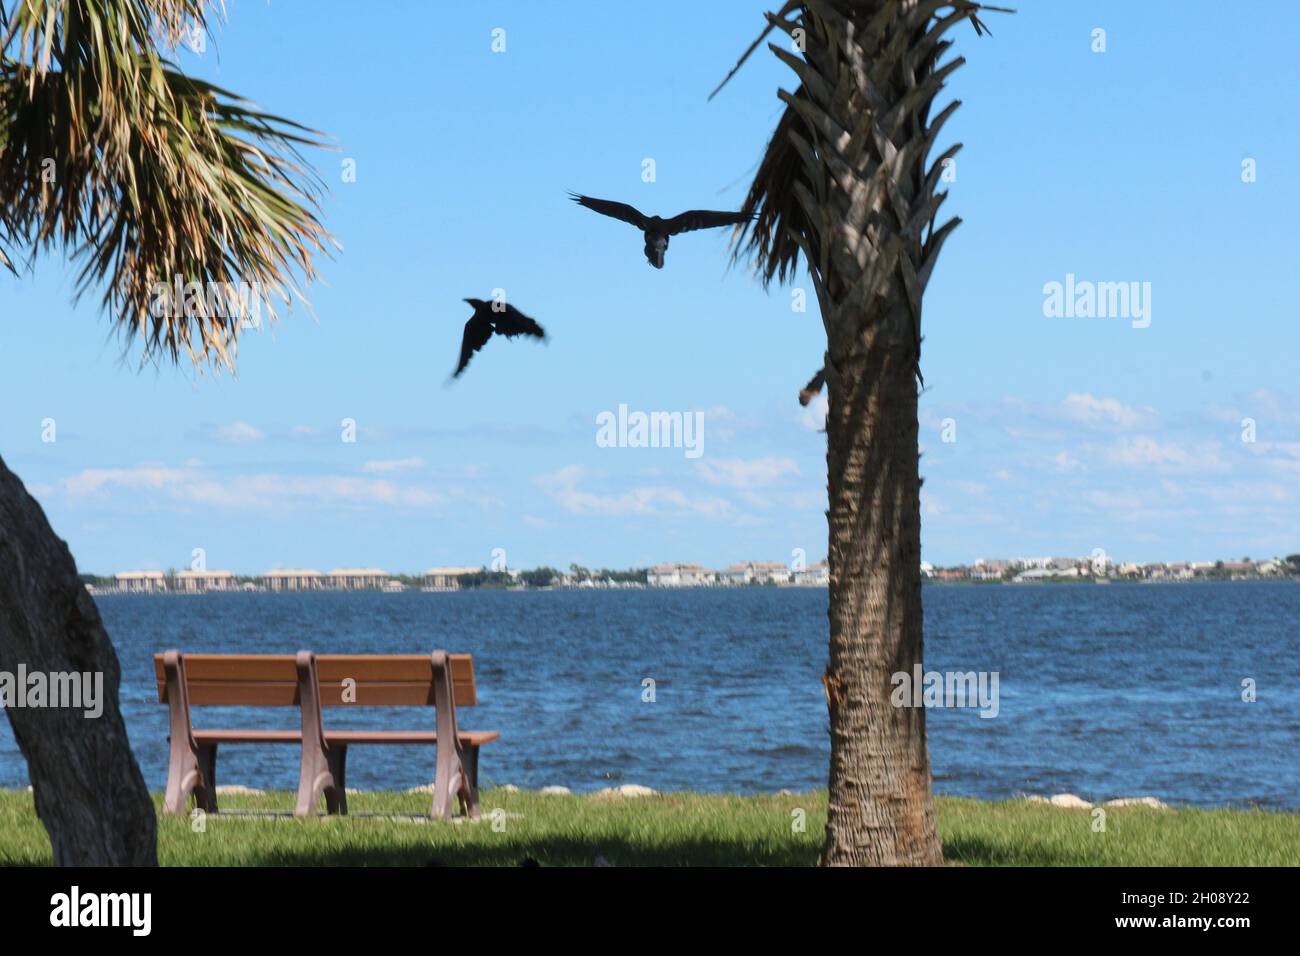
<point>607,207</point>
<point>704,219</point>
<point>477,331</point>
<point>512,322</point>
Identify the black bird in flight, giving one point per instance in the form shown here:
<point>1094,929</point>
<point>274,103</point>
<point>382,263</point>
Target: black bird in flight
<point>485,321</point>
<point>658,230</point>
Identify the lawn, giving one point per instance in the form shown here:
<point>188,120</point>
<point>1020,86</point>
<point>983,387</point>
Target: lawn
<point>672,830</point>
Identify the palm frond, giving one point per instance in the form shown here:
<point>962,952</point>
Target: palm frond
<point>149,178</point>
<point>793,175</point>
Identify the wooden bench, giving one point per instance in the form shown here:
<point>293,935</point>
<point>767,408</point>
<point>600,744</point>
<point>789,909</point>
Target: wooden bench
<point>308,682</point>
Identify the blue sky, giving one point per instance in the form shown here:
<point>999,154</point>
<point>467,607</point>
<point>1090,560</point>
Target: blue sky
<point>1070,433</point>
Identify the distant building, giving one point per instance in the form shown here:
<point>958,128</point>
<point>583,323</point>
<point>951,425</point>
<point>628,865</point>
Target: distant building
<point>292,579</point>
<point>446,579</point>
<point>1038,574</point>
<point>1170,572</point>
<point>356,579</point>
<point>193,582</point>
<point>737,574</point>
<point>815,575</point>
<point>755,572</point>
<point>771,572</point>
<point>141,582</point>
<point>680,576</point>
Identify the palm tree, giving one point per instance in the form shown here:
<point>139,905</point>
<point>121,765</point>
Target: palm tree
<point>846,182</point>
<point>146,178</point>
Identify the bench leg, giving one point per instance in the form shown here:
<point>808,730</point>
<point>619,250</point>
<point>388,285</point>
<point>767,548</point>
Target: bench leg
<point>455,776</point>
<point>336,797</point>
<point>321,774</point>
<point>313,777</point>
<point>205,792</point>
<point>182,776</point>
<point>191,772</point>
<point>469,802</point>
<point>441,809</point>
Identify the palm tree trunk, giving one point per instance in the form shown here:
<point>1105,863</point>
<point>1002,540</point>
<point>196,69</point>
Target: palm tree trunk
<point>847,184</point>
<point>880,809</point>
<point>89,792</point>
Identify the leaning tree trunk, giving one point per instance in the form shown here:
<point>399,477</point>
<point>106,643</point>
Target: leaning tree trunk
<point>89,791</point>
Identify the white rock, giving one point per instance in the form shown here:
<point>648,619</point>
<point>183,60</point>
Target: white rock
<point>627,790</point>
<point>237,790</point>
<point>1069,801</point>
<point>426,788</point>
<point>510,788</point>
<point>556,791</point>
<point>1151,802</point>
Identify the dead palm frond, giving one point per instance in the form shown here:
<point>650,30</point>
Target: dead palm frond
<point>844,182</point>
<point>151,180</point>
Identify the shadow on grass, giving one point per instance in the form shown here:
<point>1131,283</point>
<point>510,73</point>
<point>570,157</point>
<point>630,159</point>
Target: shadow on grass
<point>979,851</point>
<point>548,851</point>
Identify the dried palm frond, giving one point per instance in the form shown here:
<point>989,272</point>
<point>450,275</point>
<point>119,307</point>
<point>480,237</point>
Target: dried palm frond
<point>793,163</point>
<point>844,181</point>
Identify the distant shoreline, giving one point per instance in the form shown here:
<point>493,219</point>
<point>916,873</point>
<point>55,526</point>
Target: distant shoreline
<point>928,582</point>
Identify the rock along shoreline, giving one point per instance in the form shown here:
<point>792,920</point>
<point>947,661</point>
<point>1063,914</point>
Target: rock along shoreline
<point>1063,801</point>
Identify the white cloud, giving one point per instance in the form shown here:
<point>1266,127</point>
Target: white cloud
<point>192,486</point>
<point>562,486</point>
<point>1114,501</point>
<point>238,433</point>
<point>1064,461</point>
<point>388,465</point>
<point>1107,413</point>
<point>1143,451</point>
<point>745,473</point>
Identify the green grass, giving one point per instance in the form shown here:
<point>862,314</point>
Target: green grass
<point>674,829</point>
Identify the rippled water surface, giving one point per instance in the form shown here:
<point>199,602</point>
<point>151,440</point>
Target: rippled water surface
<point>1110,691</point>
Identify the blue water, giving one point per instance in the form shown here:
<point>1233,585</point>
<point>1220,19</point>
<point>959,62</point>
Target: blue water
<point>1122,690</point>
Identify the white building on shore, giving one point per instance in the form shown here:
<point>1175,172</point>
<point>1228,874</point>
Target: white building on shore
<point>141,582</point>
<point>446,579</point>
<point>680,576</point>
<point>815,575</point>
<point>195,582</point>
<point>1042,574</point>
<point>771,572</point>
<point>755,572</point>
<point>293,579</point>
<point>737,574</point>
<point>356,579</point>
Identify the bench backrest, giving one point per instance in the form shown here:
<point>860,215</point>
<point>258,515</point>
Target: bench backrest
<point>271,680</point>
